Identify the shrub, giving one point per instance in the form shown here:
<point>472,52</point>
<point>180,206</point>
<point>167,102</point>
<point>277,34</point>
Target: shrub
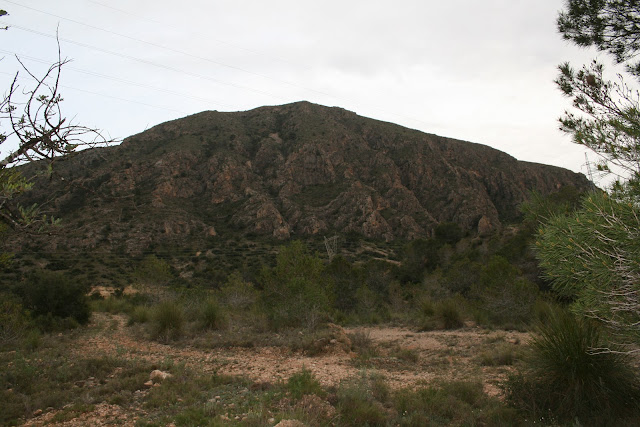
<point>52,297</point>
<point>294,291</point>
<point>451,403</point>
<point>139,314</point>
<point>361,401</point>
<point>14,322</point>
<point>237,294</point>
<point>168,320</point>
<point>314,343</point>
<point>448,232</point>
<point>501,355</point>
<point>507,299</point>
<point>346,281</point>
<point>408,355</point>
<point>448,313</point>
<point>304,382</point>
<point>567,377</point>
<point>210,314</point>
<point>362,344</point>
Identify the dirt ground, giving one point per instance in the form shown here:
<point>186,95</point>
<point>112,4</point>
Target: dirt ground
<point>405,358</point>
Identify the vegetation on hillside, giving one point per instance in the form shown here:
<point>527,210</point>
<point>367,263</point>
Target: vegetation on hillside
<point>567,270</point>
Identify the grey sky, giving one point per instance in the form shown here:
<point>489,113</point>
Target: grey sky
<point>477,71</point>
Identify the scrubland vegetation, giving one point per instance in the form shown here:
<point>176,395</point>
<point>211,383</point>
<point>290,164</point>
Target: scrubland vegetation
<point>575,296</point>
<point>452,281</point>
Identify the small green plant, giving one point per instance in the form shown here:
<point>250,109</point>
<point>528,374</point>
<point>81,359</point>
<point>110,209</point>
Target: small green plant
<point>304,382</point>
<point>362,344</point>
<point>449,315</point>
<point>140,314</point>
<point>452,403</point>
<point>361,401</point>
<point>501,355</point>
<point>167,320</point>
<point>210,314</point>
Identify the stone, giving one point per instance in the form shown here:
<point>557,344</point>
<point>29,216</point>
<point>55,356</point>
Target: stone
<point>485,227</point>
<point>158,375</point>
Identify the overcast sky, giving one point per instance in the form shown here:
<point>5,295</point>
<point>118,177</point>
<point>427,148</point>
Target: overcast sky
<point>480,71</point>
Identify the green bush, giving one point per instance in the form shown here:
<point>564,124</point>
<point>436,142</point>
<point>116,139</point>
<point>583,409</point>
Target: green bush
<point>210,314</point>
<point>442,314</point>
<point>448,313</point>
<point>14,322</point>
<point>295,290</point>
<point>461,275</point>
<point>452,403</point>
<point>362,344</point>
<point>361,401</point>
<point>506,298</point>
<point>167,320</point>
<point>568,378</point>
<point>304,382</point>
<point>52,297</point>
<point>139,314</point>
<point>237,294</point>
<point>346,281</point>
<point>500,355</point>
<point>419,256</point>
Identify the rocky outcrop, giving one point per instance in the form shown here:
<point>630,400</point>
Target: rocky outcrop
<point>284,172</point>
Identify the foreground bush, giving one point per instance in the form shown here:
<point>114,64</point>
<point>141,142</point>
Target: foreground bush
<point>167,320</point>
<point>361,401</point>
<point>304,382</point>
<point>55,300</point>
<point>569,379</point>
<point>452,403</point>
<point>14,322</point>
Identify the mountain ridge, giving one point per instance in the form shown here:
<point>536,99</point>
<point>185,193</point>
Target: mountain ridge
<point>287,171</point>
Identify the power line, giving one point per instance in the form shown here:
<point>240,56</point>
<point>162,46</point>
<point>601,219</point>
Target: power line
<point>197,57</point>
<point>182,52</point>
<point>203,36</point>
<point>144,61</point>
<point>108,96</point>
<point>118,79</point>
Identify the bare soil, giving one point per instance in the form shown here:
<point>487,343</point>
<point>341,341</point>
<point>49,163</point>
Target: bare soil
<point>404,357</point>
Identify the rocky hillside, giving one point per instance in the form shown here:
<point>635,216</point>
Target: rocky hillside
<point>284,172</point>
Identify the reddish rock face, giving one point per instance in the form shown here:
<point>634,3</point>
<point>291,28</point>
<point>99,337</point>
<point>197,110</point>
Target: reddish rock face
<point>290,171</point>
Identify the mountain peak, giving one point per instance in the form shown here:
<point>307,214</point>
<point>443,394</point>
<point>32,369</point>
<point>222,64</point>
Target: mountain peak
<point>292,170</point>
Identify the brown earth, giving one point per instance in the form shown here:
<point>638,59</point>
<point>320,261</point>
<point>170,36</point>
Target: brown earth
<point>433,356</point>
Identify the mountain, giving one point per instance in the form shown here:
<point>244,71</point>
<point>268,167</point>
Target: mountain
<point>284,172</point>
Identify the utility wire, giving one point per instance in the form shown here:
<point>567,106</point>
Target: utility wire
<point>206,37</point>
<point>147,62</point>
<point>108,96</point>
<point>204,59</point>
<point>117,79</point>
<point>182,52</point>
